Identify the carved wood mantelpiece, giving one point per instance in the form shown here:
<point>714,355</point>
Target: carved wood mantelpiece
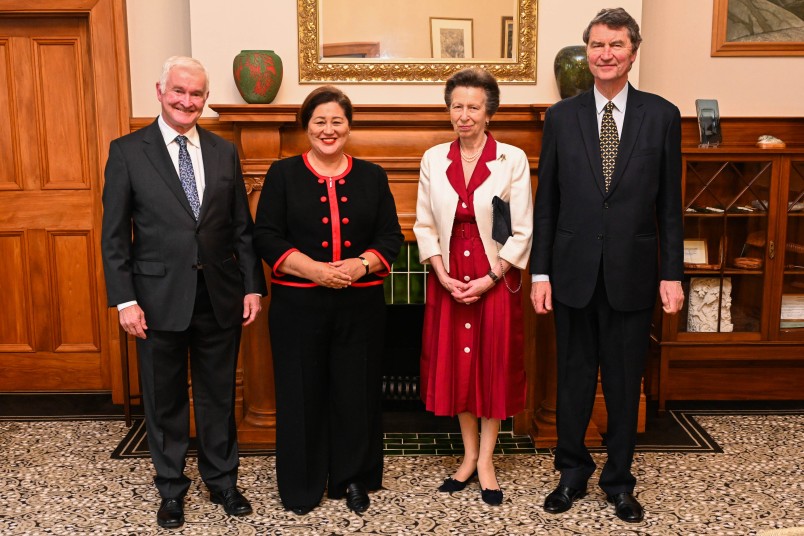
<point>393,136</point>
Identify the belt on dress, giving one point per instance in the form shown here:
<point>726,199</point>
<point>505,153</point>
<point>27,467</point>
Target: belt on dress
<point>465,230</point>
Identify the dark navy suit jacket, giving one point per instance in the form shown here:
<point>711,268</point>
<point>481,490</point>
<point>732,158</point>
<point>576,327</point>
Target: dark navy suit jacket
<point>634,229</point>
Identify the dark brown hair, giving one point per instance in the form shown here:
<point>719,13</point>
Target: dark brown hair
<point>475,77</point>
<point>323,95</point>
<point>616,18</point>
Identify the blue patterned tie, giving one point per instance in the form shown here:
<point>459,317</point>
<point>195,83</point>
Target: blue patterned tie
<point>609,142</point>
<point>187,176</point>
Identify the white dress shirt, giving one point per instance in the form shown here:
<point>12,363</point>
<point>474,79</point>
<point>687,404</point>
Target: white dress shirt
<point>193,147</point>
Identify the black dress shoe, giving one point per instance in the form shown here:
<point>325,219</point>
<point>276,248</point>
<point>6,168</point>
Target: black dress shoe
<point>301,510</point>
<point>171,513</point>
<point>357,498</point>
<point>627,507</point>
<point>560,500</point>
<point>232,500</point>
<point>451,485</point>
<point>494,497</point>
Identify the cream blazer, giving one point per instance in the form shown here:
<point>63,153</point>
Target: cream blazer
<point>437,201</point>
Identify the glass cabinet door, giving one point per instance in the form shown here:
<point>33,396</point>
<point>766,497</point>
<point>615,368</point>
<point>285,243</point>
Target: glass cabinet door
<point>726,206</point>
<point>791,317</point>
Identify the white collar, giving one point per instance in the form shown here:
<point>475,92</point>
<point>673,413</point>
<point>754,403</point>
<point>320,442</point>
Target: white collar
<point>619,100</point>
<point>169,134</point>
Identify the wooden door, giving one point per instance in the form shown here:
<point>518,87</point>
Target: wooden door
<point>53,321</point>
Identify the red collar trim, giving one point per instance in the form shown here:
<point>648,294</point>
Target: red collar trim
<point>334,177</point>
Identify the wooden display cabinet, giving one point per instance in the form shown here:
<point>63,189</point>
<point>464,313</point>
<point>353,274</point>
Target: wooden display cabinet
<point>740,334</point>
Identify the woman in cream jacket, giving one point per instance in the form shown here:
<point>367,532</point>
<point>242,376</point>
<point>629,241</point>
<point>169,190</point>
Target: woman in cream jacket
<point>472,352</point>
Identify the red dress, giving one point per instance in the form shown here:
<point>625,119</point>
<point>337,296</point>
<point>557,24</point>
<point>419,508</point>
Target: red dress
<point>472,355</point>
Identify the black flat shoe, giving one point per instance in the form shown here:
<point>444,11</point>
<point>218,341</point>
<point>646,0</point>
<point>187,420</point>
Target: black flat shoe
<point>626,507</point>
<point>560,500</point>
<point>451,485</point>
<point>357,498</point>
<point>171,513</point>
<point>232,500</point>
<point>494,497</point>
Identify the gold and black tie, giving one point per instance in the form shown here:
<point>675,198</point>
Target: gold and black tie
<point>609,141</point>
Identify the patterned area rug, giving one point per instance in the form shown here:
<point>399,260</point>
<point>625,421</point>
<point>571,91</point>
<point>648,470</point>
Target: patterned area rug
<point>57,477</point>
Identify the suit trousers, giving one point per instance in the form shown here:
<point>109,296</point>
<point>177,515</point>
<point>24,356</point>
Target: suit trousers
<point>327,348</point>
<point>616,342</point>
<point>163,358</point>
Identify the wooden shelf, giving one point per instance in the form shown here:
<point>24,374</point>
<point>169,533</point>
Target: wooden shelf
<point>766,361</point>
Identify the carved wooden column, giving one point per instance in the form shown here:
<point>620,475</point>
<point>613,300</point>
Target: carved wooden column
<point>258,139</point>
<point>543,431</point>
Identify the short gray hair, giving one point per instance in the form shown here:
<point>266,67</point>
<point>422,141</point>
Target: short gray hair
<point>616,18</point>
<point>185,62</point>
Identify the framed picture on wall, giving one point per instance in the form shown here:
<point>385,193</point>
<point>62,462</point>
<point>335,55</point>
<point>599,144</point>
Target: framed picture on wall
<point>757,28</point>
<point>451,38</point>
<point>507,50</point>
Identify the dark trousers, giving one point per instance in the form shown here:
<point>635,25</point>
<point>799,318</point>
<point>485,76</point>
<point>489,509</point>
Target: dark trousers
<point>163,371</point>
<point>327,346</point>
<point>616,342</point>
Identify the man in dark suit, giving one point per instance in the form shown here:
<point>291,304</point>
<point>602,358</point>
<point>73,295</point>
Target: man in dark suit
<point>607,233</point>
<point>180,268</point>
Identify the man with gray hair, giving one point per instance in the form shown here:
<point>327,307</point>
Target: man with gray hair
<point>607,235</point>
<point>181,271</point>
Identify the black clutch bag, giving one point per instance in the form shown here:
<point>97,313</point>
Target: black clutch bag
<point>500,220</point>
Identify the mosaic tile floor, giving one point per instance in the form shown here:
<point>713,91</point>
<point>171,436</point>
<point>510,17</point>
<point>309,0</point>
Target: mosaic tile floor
<point>58,477</point>
<point>676,430</point>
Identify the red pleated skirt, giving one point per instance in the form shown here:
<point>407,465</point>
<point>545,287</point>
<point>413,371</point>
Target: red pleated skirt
<point>472,355</point>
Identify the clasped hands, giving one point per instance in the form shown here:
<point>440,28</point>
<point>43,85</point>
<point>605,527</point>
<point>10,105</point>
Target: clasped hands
<point>467,292</point>
<point>339,274</point>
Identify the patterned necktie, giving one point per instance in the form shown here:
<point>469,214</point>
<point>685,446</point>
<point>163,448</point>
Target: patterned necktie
<point>609,141</point>
<point>187,176</point>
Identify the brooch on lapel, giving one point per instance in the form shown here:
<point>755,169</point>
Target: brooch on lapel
<point>502,158</point>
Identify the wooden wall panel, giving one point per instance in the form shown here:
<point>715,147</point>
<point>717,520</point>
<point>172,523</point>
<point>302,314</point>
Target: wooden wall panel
<point>766,379</point>
<point>62,117</point>
<point>15,320</point>
<point>64,77</point>
<point>75,314</point>
<point>8,155</point>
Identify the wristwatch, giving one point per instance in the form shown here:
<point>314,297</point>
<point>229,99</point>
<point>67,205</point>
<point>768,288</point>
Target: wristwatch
<point>494,277</point>
<point>365,263</point>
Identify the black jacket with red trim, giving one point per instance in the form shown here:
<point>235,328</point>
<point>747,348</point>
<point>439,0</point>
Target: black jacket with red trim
<point>326,218</point>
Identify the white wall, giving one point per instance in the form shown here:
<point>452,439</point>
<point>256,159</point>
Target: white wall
<point>676,64</point>
<point>674,59</point>
<point>156,30</point>
<point>220,30</point>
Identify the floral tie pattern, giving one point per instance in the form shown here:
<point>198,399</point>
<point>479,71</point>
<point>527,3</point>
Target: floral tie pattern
<point>609,141</point>
<point>187,176</point>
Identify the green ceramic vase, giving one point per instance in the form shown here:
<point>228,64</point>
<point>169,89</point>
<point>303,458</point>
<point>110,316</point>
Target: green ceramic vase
<point>572,71</point>
<point>258,75</point>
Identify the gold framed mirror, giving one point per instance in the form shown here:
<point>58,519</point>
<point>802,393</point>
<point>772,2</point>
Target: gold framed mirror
<point>329,54</point>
